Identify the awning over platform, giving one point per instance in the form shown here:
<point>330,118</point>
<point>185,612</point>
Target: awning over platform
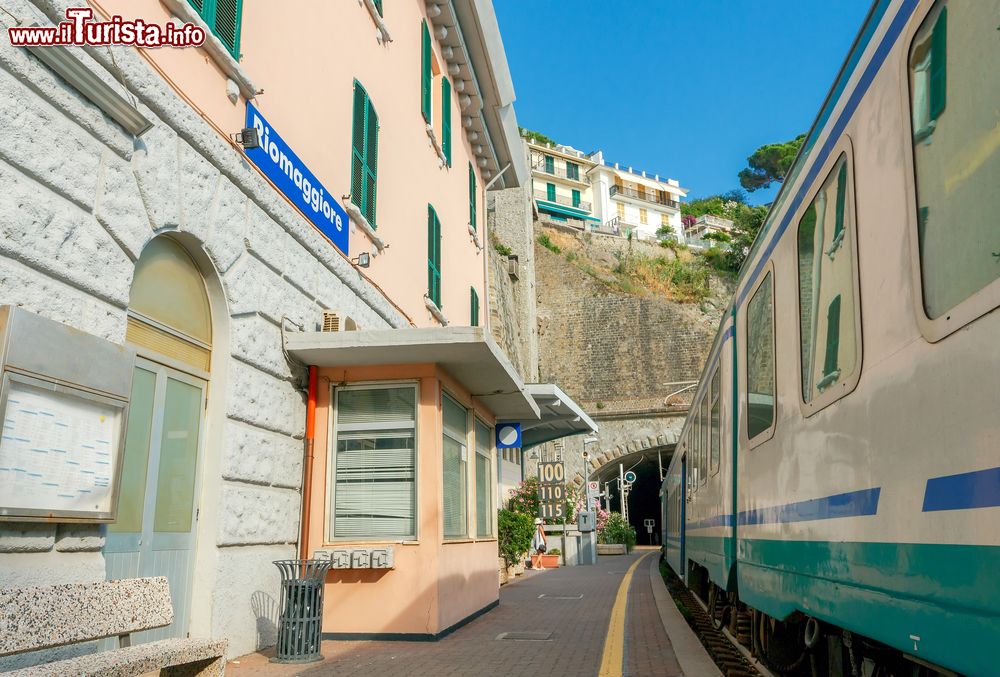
<point>467,354</point>
<point>560,417</point>
<point>574,212</point>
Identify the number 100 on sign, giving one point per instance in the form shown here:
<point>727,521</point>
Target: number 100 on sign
<point>551,491</point>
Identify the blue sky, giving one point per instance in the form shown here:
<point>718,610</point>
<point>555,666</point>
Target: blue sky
<point>685,88</point>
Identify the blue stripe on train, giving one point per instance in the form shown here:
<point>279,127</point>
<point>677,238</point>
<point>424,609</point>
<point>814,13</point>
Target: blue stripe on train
<point>979,489</point>
<point>849,504</point>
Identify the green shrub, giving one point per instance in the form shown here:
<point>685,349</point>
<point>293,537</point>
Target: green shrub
<point>515,531</point>
<point>502,249</point>
<point>553,551</point>
<point>546,242</point>
<point>617,530</point>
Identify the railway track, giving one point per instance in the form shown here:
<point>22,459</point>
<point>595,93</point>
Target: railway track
<point>731,658</point>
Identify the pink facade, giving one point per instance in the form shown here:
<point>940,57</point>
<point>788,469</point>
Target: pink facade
<point>305,64</point>
<point>437,581</point>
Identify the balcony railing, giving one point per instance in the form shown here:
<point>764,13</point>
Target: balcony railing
<point>561,172</point>
<point>562,200</point>
<point>646,195</point>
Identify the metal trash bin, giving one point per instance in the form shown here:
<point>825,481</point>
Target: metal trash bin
<point>300,627</point>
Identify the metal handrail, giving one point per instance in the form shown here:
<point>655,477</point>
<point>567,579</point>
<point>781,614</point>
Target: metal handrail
<point>561,172</point>
<point>646,195</point>
<point>562,200</point>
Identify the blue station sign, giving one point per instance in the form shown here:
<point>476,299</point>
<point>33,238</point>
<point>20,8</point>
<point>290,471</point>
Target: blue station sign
<point>296,182</point>
<point>508,436</point>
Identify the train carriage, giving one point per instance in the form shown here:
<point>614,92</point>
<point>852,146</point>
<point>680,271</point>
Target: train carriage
<point>857,492</point>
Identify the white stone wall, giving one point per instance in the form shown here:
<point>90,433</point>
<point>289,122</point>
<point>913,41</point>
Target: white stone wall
<point>80,200</point>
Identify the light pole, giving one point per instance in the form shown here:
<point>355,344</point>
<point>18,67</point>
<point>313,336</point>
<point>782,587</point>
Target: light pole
<point>621,487</point>
<point>586,461</point>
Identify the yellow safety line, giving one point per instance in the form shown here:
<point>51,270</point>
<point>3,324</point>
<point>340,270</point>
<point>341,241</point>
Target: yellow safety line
<point>614,641</point>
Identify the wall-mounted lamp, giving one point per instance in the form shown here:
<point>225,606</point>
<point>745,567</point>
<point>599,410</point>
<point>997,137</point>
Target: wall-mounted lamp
<point>248,137</point>
<point>85,81</point>
<point>362,260</point>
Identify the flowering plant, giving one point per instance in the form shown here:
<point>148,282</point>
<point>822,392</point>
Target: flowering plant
<point>524,500</point>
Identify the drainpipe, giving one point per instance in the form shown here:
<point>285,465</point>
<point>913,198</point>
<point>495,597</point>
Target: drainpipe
<point>308,463</point>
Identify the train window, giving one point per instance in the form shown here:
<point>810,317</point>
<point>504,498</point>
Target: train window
<point>716,423</point>
<point>827,321</point>
<point>760,359</point>
<point>704,436</point>
<point>956,155</point>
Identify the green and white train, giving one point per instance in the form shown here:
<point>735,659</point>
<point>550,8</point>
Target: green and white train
<point>835,494</point>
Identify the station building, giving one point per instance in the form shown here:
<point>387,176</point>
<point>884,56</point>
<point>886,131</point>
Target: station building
<point>305,313</point>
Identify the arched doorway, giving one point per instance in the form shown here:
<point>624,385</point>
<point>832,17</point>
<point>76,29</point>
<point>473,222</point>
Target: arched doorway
<point>170,327</point>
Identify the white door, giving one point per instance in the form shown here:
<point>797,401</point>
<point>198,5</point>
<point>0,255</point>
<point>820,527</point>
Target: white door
<point>157,512</point>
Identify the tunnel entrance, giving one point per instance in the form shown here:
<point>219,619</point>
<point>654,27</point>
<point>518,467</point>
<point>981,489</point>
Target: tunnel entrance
<point>643,498</point>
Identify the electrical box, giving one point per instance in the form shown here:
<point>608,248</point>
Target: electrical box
<point>64,398</point>
<point>382,558</point>
<point>361,559</point>
<point>358,558</point>
<point>586,521</point>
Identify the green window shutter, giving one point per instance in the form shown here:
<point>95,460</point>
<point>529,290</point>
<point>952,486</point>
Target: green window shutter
<point>832,336</point>
<point>550,164</point>
<point>838,226</point>
<point>433,256</point>
<point>939,65</point>
<point>550,192</point>
<point>364,154</point>
<point>446,119</point>
<point>228,15</point>
<point>572,170</point>
<point>378,7</point>
<point>224,19</point>
<point>576,198</point>
<point>425,72</point>
<point>472,198</point>
<point>474,307</point>
<point>371,163</point>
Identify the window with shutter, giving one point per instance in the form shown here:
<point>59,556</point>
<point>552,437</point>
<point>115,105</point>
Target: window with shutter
<point>759,359</point>
<point>455,436</point>
<point>433,256</point>
<point>484,480</point>
<point>223,18</point>
<point>572,170</point>
<point>374,463</point>
<point>576,198</point>
<point>473,307</point>
<point>550,164</point>
<point>425,72</point>
<point>364,154</point>
<point>643,215</point>
<point>550,192</point>
<point>827,269</point>
<point>472,198</point>
<point>446,119</point>
<point>956,161</point>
